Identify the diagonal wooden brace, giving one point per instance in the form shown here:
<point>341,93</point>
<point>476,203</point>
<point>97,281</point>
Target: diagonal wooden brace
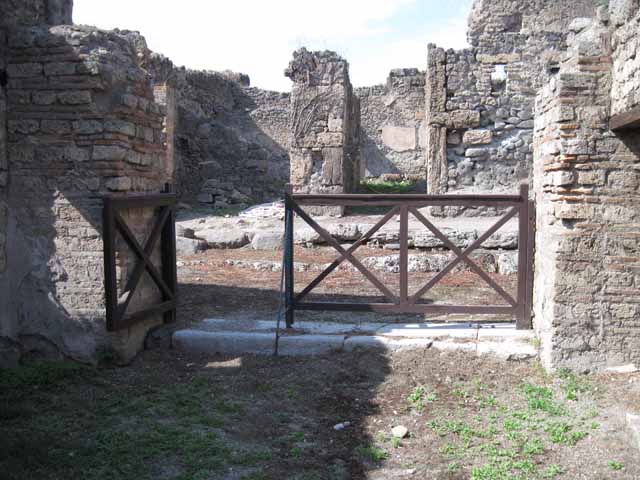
<point>144,260</point>
<point>349,256</point>
<point>463,256</point>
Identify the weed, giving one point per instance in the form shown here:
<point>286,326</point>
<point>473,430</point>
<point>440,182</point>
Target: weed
<point>386,186</point>
<point>40,374</point>
<point>453,467</point>
<point>613,465</point>
<point>533,447</point>
<point>560,432</point>
<point>540,398</point>
<point>396,442</point>
<point>572,384</point>
<point>372,453</point>
<point>552,471</point>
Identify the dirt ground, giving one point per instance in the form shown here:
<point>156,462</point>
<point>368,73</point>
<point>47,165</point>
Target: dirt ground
<point>172,416</point>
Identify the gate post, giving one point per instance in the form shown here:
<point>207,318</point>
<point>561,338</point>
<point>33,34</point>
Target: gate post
<point>523,318</point>
<point>288,260</point>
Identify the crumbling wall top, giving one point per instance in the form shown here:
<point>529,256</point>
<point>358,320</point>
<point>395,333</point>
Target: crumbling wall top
<point>317,68</point>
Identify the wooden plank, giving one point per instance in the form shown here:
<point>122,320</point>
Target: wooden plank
<point>288,257</point>
<point>136,275</point>
<point>331,241</point>
<point>463,255</point>
<point>336,263</point>
<point>528,309</point>
<point>142,200</point>
<point>417,201</point>
<point>523,239</point>
<point>415,308</point>
<point>404,255</point>
<point>109,255</point>
<point>140,315</point>
<point>169,260</point>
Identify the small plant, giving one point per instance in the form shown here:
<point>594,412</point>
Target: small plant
<point>572,384</point>
<point>560,432</point>
<point>372,453</point>
<point>552,471</point>
<point>396,442</point>
<point>533,447</point>
<point>386,186</point>
<point>613,465</point>
<point>419,397</point>
<point>453,467</point>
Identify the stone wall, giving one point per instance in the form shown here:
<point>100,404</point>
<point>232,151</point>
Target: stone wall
<point>625,21</point>
<point>81,122</point>
<point>480,100</point>
<point>324,123</point>
<point>392,125</point>
<point>587,290</point>
<point>230,140</point>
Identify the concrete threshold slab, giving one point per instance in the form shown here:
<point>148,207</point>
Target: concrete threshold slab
<point>238,337</point>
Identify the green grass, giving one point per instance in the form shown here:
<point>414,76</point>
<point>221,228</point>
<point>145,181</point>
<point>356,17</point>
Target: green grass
<point>372,453</point>
<point>376,186</point>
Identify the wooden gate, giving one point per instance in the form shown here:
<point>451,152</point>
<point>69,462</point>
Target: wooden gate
<point>404,206</point>
<point>163,229</point>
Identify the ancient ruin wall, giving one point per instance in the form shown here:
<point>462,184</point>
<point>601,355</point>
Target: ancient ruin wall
<point>588,203</point>
<point>230,140</point>
<point>480,100</point>
<point>392,125</point>
<point>324,123</point>
<point>625,22</point>
<point>81,122</point>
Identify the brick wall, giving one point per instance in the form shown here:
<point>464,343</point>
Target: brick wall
<point>82,121</point>
<point>587,290</point>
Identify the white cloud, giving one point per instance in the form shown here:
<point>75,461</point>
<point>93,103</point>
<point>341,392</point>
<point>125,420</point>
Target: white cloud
<point>257,37</point>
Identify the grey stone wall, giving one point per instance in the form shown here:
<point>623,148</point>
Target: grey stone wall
<point>480,100</point>
<point>324,123</point>
<point>36,12</point>
<point>81,122</point>
<point>392,125</point>
<point>230,140</point>
<point>588,201</point>
<point>625,22</point>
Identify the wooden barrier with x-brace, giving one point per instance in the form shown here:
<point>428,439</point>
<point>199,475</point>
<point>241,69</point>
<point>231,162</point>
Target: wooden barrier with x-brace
<point>405,205</point>
<point>165,279</point>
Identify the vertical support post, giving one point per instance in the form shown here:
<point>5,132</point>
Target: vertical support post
<point>528,304</point>
<point>404,255</point>
<point>109,254</point>
<point>288,259</point>
<point>168,246</point>
<point>523,240</point>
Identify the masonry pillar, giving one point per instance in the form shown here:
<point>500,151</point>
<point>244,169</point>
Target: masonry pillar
<point>586,183</point>
<point>324,125</point>
<point>81,122</point>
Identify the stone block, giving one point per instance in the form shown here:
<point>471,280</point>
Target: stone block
<point>24,70</point>
<point>88,127</point>
<point>56,127</point>
<point>120,126</point>
<point>230,238</point>
<point>119,184</point>
<point>476,153</point>
<point>74,97</point>
<point>109,153</point>
<point>60,68</point>
<point>399,139</point>
<point>477,137</point>
<point>44,97</point>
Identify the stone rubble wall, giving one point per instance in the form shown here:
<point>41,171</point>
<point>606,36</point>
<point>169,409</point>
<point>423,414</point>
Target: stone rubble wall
<point>230,139</point>
<point>324,124</point>
<point>625,20</point>
<point>82,122</point>
<point>392,125</point>
<point>479,101</point>
<point>588,202</point>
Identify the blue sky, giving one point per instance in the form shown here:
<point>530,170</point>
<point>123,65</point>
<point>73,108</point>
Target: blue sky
<point>257,37</point>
